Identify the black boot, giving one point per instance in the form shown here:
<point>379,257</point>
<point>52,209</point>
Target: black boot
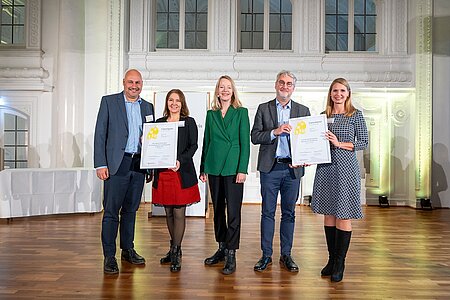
<point>330,234</point>
<point>218,256</point>
<point>166,258</point>
<point>342,244</point>
<point>230,262</point>
<point>175,259</point>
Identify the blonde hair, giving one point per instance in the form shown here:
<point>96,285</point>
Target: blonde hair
<point>349,108</point>
<point>235,102</point>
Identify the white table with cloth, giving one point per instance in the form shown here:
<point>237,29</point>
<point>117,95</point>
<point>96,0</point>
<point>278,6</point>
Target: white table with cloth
<point>33,192</point>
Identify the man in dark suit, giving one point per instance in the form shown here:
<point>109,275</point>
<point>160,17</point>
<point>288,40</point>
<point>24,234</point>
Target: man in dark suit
<point>277,174</point>
<point>117,148</point>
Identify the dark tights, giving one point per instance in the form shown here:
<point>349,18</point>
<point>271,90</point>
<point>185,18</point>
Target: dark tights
<point>176,223</point>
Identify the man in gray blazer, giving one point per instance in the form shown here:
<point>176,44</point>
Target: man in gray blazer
<point>277,174</point>
<point>117,148</point>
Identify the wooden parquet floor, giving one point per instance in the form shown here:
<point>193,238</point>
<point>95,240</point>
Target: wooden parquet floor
<point>396,253</point>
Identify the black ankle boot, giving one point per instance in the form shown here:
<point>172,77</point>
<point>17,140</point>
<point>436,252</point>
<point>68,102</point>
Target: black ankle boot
<point>166,258</point>
<point>175,259</point>
<point>218,256</point>
<point>230,262</point>
<point>330,234</point>
<point>342,244</point>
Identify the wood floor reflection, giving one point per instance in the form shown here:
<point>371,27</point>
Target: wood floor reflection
<point>396,253</point>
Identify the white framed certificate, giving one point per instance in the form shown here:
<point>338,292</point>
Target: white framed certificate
<point>159,145</point>
<point>308,142</point>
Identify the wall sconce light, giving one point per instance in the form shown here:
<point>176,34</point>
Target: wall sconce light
<point>383,201</point>
<point>425,203</point>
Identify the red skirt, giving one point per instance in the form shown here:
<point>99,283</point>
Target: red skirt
<point>170,192</point>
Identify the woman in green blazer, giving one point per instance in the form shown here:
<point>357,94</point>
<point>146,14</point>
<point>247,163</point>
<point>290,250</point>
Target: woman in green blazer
<point>225,156</point>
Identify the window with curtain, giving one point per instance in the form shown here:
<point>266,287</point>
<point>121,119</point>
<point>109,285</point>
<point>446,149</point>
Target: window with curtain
<point>266,24</point>
<point>181,24</point>
<point>12,22</point>
<point>350,25</point>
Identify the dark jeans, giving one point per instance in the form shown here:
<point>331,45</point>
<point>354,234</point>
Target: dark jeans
<point>122,195</point>
<point>227,194</point>
<point>281,180</point>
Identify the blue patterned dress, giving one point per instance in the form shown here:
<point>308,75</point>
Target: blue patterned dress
<point>337,184</point>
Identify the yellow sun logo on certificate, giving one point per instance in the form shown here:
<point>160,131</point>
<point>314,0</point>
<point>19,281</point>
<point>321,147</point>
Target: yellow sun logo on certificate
<point>152,133</point>
<point>301,128</point>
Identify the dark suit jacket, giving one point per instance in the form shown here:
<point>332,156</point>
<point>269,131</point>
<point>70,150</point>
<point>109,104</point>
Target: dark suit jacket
<point>111,130</point>
<point>265,121</point>
<point>226,143</point>
<point>186,147</point>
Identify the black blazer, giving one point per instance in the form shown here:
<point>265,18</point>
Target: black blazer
<point>187,145</point>
<point>265,121</point>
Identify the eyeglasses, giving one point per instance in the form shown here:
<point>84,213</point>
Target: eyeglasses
<point>288,84</point>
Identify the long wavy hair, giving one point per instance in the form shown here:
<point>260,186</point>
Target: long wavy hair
<point>235,102</point>
<point>349,108</point>
<point>184,111</point>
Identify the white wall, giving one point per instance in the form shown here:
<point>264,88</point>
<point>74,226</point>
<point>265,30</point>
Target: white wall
<point>75,43</point>
<point>440,183</point>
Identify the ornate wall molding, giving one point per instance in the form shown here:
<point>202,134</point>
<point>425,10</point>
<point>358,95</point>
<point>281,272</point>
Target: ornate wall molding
<point>36,73</point>
<point>387,77</point>
<point>115,12</point>
<point>315,69</point>
<point>423,97</point>
<point>399,27</point>
<point>33,24</point>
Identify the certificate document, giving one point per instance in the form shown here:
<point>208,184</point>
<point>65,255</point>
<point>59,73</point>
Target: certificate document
<point>308,142</point>
<point>159,145</point>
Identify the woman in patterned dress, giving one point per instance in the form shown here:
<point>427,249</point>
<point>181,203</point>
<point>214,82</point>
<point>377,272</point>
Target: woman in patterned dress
<point>336,191</point>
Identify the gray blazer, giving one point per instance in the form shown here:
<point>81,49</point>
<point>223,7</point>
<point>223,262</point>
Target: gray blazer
<point>265,121</point>
<point>111,130</point>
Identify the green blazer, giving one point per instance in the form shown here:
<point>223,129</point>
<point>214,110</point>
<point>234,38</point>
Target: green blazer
<point>226,142</point>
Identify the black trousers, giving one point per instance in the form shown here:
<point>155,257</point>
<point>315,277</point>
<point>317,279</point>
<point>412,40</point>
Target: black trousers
<point>122,195</point>
<point>227,197</point>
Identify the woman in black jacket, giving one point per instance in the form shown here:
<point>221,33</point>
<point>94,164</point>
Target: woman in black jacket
<point>177,187</point>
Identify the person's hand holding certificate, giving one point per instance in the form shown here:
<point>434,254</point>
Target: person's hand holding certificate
<point>159,145</point>
<point>308,143</point>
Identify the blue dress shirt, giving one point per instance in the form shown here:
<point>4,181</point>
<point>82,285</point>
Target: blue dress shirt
<point>283,115</point>
<point>134,126</point>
